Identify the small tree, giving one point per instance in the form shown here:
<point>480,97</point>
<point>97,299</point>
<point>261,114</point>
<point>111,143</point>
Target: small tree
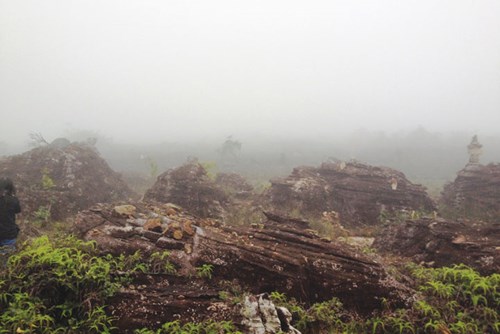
<point>230,149</point>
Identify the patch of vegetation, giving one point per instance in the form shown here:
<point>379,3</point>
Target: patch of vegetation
<point>261,186</point>
<point>153,167</point>
<point>159,263</point>
<point>401,216</point>
<point>47,182</point>
<point>207,327</point>
<point>60,286</point>
<point>233,292</point>
<point>42,215</point>
<point>205,271</point>
<point>241,216</point>
<point>210,168</point>
<point>328,316</point>
<point>452,300</point>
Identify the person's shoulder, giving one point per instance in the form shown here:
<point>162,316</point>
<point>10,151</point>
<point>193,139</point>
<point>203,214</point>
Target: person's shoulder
<point>12,198</point>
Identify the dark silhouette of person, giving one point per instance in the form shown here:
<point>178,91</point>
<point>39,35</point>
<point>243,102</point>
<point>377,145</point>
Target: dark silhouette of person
<point>9,207</point>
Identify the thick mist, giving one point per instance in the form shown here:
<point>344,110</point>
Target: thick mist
<point>401,84</point>
<point>152,71</point>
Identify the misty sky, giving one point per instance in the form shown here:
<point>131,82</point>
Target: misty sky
<point>155,70</point>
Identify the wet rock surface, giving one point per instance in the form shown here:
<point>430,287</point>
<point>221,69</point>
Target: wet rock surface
<point>439,242</point>
<point>475,193</point>
<point>359,193</point>
<point>63,178</point>
<point>281,255</point>
<point>189,187</point>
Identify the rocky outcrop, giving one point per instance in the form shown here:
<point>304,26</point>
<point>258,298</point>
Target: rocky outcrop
<point>439,242</point>
<point>62,178</point>
<point>234,184</point>
<point>279,255</point>
<point>359,193</point>
<point>189,187</point>
<point>261,316</point>
<point>475,193</point>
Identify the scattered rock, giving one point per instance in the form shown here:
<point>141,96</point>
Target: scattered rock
<point>124,210</point>
<point>168,243</point>
<point>261,316</point>
<point>153,224</point>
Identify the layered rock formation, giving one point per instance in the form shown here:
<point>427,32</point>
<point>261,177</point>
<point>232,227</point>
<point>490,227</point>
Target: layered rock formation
<point>189,187</point>
<point>359,193</point>
<point>439,242</point>
<point>475,193</point>
<point>62,178</point>
<point>279,255</point>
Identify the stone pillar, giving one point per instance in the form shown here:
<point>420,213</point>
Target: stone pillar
<point>474,150</point>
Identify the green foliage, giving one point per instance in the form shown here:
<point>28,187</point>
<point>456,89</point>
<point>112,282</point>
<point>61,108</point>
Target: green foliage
<point>302,320</point>
<point>232,293</point>
<point>210,168</point>
<point>60,285</point>
<point>159,263</point>
<point>453,299</point>
<point>401,216</point>
<point>47,182</point>
<point>42,214</point>
<point>207,327</point>
<point>153,167</point>
<point>261,186</point>
<point>241,216</point>
<point>24,314</point>
<point>205,271</point>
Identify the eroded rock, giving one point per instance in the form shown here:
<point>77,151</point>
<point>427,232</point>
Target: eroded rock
<point>280,255</point>
<point>359,193</point>
<point>475,193</point>
<point>261,316</point>
<point>439,242</point>
<point>57,181</point>
<point>190,187</point>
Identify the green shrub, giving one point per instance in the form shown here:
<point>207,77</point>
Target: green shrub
<point>60,285</point>
<point>205,271</point>
<point>453,299</point>
<point>159,263</point>
<point>207,327</point>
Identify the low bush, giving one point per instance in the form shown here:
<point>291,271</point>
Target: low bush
<point>61,285</point>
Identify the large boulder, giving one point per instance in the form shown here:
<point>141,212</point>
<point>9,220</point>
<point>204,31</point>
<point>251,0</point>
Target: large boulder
<point>439,242</point>
<point>475,193</point>
<point>279,255</point>
<point>357,192</point>
<point>62,178</point>
<point>189,187</point>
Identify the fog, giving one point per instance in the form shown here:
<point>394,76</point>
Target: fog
<point>299,80</point>
<point>160,70</point>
